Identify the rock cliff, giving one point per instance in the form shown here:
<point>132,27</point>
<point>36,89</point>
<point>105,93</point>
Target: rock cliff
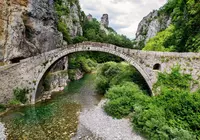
<point>73,19</point>
<point>29,27</point>
<point>150,26</point>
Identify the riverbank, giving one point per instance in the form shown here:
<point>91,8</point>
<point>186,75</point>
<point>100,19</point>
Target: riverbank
<point>95,124</point>
<point>2,132</point>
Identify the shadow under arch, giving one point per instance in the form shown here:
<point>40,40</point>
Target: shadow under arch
<point>82,48</point>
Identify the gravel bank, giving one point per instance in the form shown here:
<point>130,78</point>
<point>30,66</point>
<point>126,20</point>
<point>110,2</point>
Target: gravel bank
<point>2,132</point>
<point>97,125</point>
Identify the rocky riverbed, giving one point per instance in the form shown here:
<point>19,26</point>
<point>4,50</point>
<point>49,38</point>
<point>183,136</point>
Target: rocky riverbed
<point>95,124</point>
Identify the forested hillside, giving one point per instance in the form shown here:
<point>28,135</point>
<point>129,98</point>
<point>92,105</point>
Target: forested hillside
<point>183,35</point>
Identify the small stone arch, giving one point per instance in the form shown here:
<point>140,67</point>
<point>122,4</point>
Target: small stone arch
<point>80,48</point>
<point>157,66</point>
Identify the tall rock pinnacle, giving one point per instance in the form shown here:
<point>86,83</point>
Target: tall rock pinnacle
<point>105,20</point>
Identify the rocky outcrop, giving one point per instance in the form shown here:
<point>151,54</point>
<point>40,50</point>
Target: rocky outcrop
<point>105,20</point>
<point>28,28</point>
<point>56,81</point>
<point>73,19</point>
<point>150,26</point>
<point>89,17</point>
<point>104,23</point>
<point>78,74</point>
<point>62,64</point>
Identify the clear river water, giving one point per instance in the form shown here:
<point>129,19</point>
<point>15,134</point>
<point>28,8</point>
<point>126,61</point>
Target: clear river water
<point>55,119</point>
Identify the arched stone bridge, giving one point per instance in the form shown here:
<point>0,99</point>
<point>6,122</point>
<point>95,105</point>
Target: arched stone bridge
<point>29,72</point>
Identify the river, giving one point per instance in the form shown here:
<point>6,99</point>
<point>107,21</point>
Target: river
<point>76,113</point>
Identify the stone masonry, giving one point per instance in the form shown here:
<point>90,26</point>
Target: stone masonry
<point>29,72</point>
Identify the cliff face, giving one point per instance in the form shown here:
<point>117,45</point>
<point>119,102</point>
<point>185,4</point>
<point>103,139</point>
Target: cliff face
<point>150,26</point>
<point>29,27</point>
<point>73,20</point>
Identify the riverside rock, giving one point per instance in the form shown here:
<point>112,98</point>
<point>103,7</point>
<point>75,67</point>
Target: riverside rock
<point>2,132</point>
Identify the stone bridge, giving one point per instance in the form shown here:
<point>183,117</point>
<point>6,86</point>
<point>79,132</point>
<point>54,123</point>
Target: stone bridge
<point>29,72</point>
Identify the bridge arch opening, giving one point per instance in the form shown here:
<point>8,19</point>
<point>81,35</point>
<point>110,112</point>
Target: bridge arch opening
<point>157,66</point>
<point>94,48</point>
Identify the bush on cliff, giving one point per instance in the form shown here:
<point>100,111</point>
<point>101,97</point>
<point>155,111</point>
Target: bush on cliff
<point>2,107</point>
<point>20,95</point>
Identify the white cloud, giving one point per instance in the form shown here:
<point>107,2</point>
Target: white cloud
<point>124,15</point>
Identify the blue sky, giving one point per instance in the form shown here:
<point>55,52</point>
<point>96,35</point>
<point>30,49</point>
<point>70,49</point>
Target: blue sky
<point>124,15</point>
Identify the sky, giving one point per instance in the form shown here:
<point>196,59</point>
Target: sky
<point>124,15</point>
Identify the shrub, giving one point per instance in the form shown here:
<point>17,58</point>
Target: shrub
<point>123,99</point>
<point>14,102</point>
<point>158,42</point>
<point>62,27</point>
<point>172,80</point>
<point>2,107</point>
<point>20,94</point>
<point>101,84</point>
<point>72,74</point>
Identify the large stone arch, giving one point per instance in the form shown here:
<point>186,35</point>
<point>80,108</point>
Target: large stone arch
<point>80,48</point>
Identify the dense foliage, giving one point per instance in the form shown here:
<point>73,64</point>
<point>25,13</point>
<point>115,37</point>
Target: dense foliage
<point>173,114</point>
<point>112,73</point>
<point>81,63</point>
<point>124,98</point>
<point>157,43</point>
<point>93,32</point>
<point>20,96</point>
<point>185,36</point>
<point>2,107</point>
